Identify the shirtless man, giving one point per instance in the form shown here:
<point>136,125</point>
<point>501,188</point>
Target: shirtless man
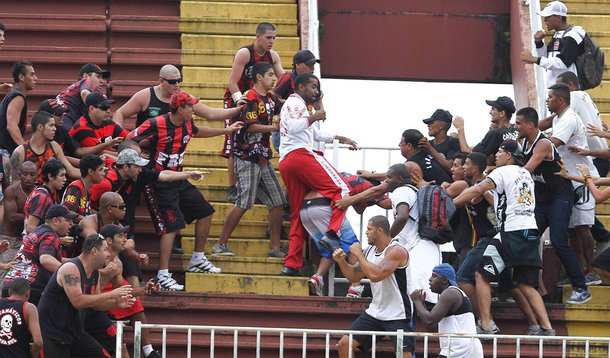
<point>14,201</point>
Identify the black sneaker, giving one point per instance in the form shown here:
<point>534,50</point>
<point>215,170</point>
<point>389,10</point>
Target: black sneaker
<point>329,243</point>
<point>154,354</point>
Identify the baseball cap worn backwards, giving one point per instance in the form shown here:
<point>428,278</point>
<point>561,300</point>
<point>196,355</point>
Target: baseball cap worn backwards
<point>447,272</point>
<point>109,230</point>
<point>51,106</point>
<point>181,99</point>
<point>130,156</point>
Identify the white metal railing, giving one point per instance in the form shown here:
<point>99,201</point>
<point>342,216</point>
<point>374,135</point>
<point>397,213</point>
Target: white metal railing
<point>539,72</point>
<point>335,146</point>
<point>586,346</point>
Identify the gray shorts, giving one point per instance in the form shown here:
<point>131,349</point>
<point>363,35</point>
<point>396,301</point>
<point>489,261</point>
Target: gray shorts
<point>583,213</point>
<point>257,181</point>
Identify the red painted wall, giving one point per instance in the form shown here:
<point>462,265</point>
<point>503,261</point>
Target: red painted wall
<point>425,40</point>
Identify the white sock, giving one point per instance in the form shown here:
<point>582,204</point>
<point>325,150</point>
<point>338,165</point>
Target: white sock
<point>147,349</point>
<point>198,256</point>
<point>162,273</point>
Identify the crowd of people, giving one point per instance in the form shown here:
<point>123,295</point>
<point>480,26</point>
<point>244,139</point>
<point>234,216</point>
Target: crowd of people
<point>73,178</point>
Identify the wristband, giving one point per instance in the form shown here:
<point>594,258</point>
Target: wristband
<point>236,96</point>
<point>587,177</point>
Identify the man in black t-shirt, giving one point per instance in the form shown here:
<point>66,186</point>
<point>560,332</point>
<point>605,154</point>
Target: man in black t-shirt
<point>443,147</point>
<point>502,110</point>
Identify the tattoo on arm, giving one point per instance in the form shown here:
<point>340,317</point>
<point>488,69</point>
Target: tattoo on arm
<point>71,279</point>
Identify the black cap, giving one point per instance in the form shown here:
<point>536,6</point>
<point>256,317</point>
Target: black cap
<point>504,103</point>
<point>109,230</point>
<point>306,57</point>
<point>96,98</point>
<point>92,67</point>
<point>51,106</point>
<point>58,210</point>
<point>440,115</point>
<point>512,147</point>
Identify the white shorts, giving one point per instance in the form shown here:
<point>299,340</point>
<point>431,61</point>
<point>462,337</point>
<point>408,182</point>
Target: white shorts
<point>583,212</point>
<point>423,257</point>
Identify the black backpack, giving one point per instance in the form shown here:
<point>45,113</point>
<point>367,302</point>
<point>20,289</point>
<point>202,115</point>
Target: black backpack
<point>590,64</point>
<point>435,209</point>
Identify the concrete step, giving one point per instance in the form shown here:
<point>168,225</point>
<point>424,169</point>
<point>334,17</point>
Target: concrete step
<point>251,248</point>
<point>223,57</point>
<point>232,43</point>
<point>591,318</point>
<point>229,26</point>
<point>247,284</point>
<point>237,265</point>
<point>208,90</point>
<point>237,10</point>
<point>218,176</point>
<point>251,1</point>
<point>211,158</point>
<point>580,7</point>
<point>212,143</point>
<point>601,91</point>
<point>603,104</point>
<point>248,265</point>
<point>597,23</point>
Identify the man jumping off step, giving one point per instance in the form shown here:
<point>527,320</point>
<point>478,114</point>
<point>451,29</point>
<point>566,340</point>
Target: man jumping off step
<point>303,168</point>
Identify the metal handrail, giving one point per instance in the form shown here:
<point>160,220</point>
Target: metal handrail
<point>399,334</point>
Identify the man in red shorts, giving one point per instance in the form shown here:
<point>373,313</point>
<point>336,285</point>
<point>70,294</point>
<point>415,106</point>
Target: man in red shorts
<point>303,168</point>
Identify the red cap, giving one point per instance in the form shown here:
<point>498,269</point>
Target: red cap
<point>180,99</point>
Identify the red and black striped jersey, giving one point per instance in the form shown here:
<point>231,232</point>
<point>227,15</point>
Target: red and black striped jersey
<point>77,198</point>
<point>38,159</point>
<point>284,86</point>
<point>38,202</point>
<point>167,141</point>
<point>70,98</point>
<point>88,134</point>
<point>41,241</point>
<point>358,185</point>
<point>255,147</point>
<point>245,81</point>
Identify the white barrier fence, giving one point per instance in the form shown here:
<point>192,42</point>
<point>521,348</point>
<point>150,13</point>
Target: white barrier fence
<point>537,346</point>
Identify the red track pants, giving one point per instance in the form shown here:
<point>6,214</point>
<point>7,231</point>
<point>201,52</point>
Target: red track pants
<point>301,172</point>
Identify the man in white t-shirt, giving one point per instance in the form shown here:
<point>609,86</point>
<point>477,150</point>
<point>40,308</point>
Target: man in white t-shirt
<point>583,105</point>
<point>303,168</point>
<point>569,131</point>
<point>516,245</point>
<point>425,254</point>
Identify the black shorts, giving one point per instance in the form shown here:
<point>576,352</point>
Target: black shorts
<point>130,267</point>
<point>517,250</point>
<point>602,261</point>
<point>85,347</point>
<point>180,203</point>
<point>368,323</point>
<point>101,328</point>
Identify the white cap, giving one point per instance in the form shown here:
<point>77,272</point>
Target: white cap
<point>554,8</point>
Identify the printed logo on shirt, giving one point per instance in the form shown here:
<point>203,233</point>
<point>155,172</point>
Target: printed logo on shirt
<point>556,45</point>
<point>70,199</point>
<point>8,318</point>
<point>489,268</point>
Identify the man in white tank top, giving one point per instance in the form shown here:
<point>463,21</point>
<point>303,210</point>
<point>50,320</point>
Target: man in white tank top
<point>385,263</point>
<point>452,313</point>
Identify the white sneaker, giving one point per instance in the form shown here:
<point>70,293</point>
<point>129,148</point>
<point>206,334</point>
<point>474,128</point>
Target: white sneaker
<point>316,284</point>
<point>203,266</point>
<point>167,283</point>
<point>355,291</point>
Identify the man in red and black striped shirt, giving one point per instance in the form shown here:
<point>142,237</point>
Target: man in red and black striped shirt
<point>45,195</point>
<point>179,202</point>
<point>95,129</point>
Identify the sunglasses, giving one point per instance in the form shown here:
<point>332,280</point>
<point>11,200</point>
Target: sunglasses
<point>172,82</point>
<point>121,207</point>
<point>102,107</point>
